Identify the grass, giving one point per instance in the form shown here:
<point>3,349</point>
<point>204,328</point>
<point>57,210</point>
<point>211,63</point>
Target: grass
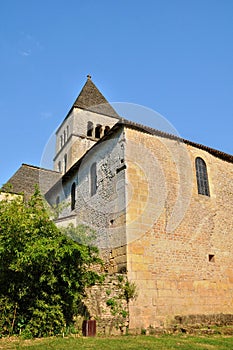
<point>124,343</point>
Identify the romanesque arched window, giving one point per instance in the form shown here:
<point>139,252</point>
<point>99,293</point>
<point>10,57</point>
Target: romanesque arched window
<point>98,131</point>
<point>202,177</point>
<point>73,195</point>
<point>93,179</point>
<point>107,128</point>
<point>90,129</point>
<point>57,200</point>
<point>67,131</point>
<point>61,141</point>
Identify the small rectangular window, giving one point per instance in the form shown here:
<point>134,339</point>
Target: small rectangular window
<point>211,258</point>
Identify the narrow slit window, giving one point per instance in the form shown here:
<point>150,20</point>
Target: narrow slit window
<point>59,166</point>
<point>202,177</point>
<point>93,179</point>
<point>65,163</point>
<point>90,129</point>
<point>73,196</point>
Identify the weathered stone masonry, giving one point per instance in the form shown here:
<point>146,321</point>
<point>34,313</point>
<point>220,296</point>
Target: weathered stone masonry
<point>188,270</point>
<point>137,188</point>
<point>104,211</point>
<point>180,268</point>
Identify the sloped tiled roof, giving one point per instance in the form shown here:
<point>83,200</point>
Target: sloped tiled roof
<point>90,98</point>
<point>143,128</point>
<point>146,129</point>
<point>28,176</point>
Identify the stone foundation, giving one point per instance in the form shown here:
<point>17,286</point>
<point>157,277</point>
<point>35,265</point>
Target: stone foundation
<point>107,304</point>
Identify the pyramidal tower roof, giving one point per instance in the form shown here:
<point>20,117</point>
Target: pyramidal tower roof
<point>90,98</point>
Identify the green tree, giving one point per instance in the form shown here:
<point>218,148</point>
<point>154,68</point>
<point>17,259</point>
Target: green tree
<point>43,272</point>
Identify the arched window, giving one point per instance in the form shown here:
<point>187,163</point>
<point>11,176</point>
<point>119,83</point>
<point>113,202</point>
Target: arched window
<point>202,177</point>
<point>64,136</point>
<point>98,131</point>
<point>107,128</point>
<point>90,129</point>
<point>73,195</point>
<point>61,141</point>
<point>67,131</point>
<point>93,179</point>
<point>57,200</point>
<point>65,163</point>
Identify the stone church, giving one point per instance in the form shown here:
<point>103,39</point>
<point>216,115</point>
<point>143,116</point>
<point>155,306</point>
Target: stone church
<point>161,207</point>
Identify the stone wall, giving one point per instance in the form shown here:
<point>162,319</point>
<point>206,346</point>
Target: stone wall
<point>180,243</point>
<point>7,196</point>
<point>174,243</point>
<point>107,304</point>
<point>104,211</point>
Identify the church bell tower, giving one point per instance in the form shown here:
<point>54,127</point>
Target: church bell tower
<point>89,119</point>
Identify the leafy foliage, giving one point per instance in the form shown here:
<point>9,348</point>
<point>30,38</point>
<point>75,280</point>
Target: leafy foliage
<point>130,292</point>
<point>43,272</point>
<point>81,234</point>
<point>119,303</point>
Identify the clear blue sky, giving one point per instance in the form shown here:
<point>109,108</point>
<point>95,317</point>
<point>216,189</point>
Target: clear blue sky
<point>173,56</point>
